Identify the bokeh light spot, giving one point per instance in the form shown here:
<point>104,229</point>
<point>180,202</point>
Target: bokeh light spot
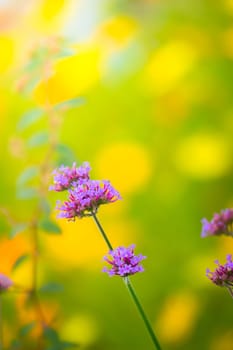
<point>126,165</point>
<point>169,64</point>
<point>81,329</point>
<point>117,31</point>
<point>7,52</point>
<point>178,317</point>
<point>81,244</point>
<point>203,156</point>
<point>223,341</point>
<point>72,77</point>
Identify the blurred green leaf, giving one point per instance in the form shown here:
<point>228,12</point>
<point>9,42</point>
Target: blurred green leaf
<point>54,341</point>
<point>26,193</point>
<point>73,103</point>
<point>27,175</point>
<point>49,226</point>
<point>15,344</point>
<point>51,335</point>
<point>65,154</point>
<point>68,345</point>
<point>51,287</point>
<point>65,53</point>
<point>16,229</point>
<point>29,118</point>
<point>45,206</point>
<point>27,328</point>
<point>38,139</point>
<point>19,261</point>
<point>31,84</point>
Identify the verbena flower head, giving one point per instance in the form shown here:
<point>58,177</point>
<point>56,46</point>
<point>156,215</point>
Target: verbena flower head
<point>223,274</point>
<point>85,198</point>
<point>66,177</point>
<point>5,282</point>
<point>124,262</point>
<point>220,224</point>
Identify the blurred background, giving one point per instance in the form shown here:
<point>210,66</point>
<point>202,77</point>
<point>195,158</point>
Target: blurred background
<point>154,115</point>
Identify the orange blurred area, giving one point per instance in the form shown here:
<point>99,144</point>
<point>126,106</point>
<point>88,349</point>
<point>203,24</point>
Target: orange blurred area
<point>11,250</point>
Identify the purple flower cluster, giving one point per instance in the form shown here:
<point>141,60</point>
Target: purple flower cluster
<point>221,223</point>
<point>124,262</point>
<point>66,177</point>
<point>5,282</point>
<point>85,199</point>
<point>223,274</point>
<point>84,195</point>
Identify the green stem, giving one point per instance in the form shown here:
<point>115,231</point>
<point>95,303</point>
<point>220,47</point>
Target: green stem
<point>1,324</point>
<point>102,231</point>
<point>130,289</point>
<point>142,312</point>
<point>230,291</point>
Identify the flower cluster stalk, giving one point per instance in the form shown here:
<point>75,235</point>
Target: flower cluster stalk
<point>1,325</point>
<point>131,290</point>
<point>85,196</point>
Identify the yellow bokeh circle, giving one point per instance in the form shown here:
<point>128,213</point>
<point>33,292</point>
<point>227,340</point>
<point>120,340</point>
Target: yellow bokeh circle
<point>7,52</point>
<point>203,156</point>
<point>82,245</point>
<point>178,317</point>
<point>169,64</point>
<point>72,77</point>
<point>86,326</point>
<point>127,165</point>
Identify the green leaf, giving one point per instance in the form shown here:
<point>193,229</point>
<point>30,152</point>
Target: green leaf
<point>66,154</point>
<point>73,103</point>
<point>29,118</point>
<point>15,344</point>
<point>51,335</point>
<point>65,53</point>
<point>51,287</point>
<point>31,84</point>
<point>19,261</point>
<point>16,229</point>
<point>45,206</point>
<point>27,328</point>
<point>49,226</point>
<point>38,139</point>
<point>27,175</point>
<point>26,193</point>
<point>68,345</point>
<point>53,340</point>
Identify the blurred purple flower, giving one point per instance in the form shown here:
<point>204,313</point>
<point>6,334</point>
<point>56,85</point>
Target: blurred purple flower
<point>85,198</point>
<point>66,177</point>
<point>223,274</point>
<point>124,262</point>
<point>221,223</point>
<point>5,282</point>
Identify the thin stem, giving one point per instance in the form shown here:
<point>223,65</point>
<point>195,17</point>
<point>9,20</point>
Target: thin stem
<point>142,313</point>
<point>1,325</point>
<point>230,291</point>
<point>102,231</point>
<point>131,290</point>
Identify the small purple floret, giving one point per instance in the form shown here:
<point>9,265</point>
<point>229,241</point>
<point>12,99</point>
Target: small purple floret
<point>65,177</point>
<point>5,282</point>
<point>223,274</point>
<point>85,198</point>
<point>124,262</point>
<point>221,224</point>
<point>84,195</point>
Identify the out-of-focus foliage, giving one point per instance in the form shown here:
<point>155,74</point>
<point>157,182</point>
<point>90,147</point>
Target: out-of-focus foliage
<point>153,84</point>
